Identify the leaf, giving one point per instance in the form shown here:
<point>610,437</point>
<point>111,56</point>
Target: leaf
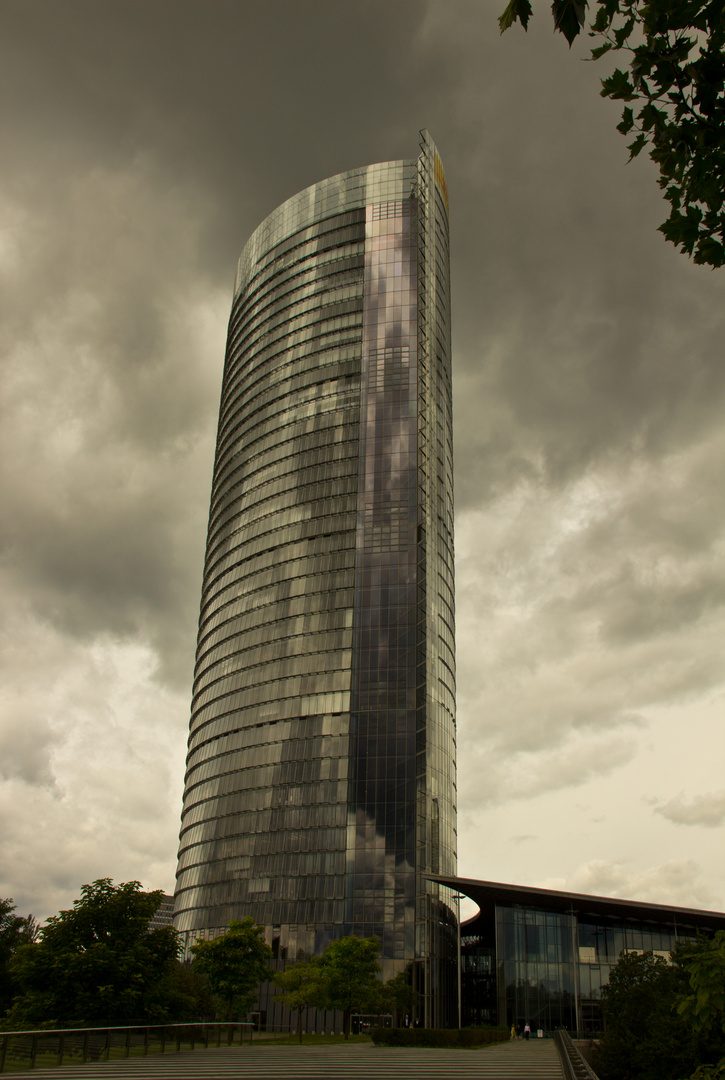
<point>635,147</point>
<point>627,121</point>
<point>602,21</point>
<point>621,35</point>
<point>569,17</point>
<point>601,50</point>
<point>516,11</point>
<point>680,231</point>
<point>618,86</point>
<point>709,252</point>
<point>672,194</point>
<point>651,117</point>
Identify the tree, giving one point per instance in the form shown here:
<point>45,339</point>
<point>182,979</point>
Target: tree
<point>235,963</point>
<point>645,1037</point>
<point>96,963</point>
<point>677,75</point>
<point>345,977</point>
<point>350,969</point>
<point>705,965</point>
<point>181,995</point>
<point>397,995</point>
<point>301,986</point>
<point>14,932</point>
<point>704,1007</point>
<point>640,1031</point>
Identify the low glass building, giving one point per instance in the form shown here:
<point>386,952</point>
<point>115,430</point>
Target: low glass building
<point>541,957</point>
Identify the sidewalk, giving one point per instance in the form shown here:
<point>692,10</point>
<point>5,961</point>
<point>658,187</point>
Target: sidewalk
<point>516,1060</point>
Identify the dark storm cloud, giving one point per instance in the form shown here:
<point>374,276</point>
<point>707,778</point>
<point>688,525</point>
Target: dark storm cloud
<point>107,404</point>
<point>581,335</point>
<point>248,101</point>
<point>149,140</point>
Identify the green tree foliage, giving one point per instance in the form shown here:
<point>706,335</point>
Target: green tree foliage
<point>350,970</point>
<point>234,964</point>
<point>345,977</point>
<point>96,963</point>
<point>14,932</point>
<point>710,1072</point>
<point>645,1036</point>
<point>181,995</point>
<point>642,1036</point>
<point>301,986</point>
<point>676,75</point>
<point>397,995</point>
<point>703,1008</point>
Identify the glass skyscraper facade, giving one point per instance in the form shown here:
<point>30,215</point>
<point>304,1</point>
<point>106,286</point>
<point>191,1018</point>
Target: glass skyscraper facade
<point>320,784</point>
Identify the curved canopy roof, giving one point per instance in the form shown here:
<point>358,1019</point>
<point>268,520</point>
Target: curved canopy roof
<point>489,893</point>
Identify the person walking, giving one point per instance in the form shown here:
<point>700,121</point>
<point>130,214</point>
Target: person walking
<point>527,1032</point>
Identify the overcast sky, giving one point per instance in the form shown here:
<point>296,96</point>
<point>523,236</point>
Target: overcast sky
<point>142,143</point>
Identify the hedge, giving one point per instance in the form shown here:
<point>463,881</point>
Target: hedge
<point>452,1037</point>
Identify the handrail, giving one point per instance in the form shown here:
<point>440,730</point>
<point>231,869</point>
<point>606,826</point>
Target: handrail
<point>135,1027</point>
<point>95,1043</point>
<point>573,1064</point>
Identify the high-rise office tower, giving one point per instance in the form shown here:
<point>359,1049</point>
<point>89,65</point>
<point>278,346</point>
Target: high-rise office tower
<point>320,784</point>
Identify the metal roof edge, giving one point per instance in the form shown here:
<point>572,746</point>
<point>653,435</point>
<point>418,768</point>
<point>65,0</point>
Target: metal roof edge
<point>499,892</point>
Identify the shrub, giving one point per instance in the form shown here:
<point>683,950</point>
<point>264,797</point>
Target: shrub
<point>439,1037</point>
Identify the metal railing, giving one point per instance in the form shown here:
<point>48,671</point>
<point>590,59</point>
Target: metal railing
<point>573,1064</point>
<point>46,1048</point>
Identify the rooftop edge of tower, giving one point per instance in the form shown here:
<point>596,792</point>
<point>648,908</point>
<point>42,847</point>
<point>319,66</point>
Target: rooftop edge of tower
<point>383,181</point>
<point>350,190</point>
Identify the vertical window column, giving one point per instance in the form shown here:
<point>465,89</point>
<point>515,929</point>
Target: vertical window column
<point>381,813</point>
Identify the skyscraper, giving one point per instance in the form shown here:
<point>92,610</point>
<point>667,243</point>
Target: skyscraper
<point>320,784</point>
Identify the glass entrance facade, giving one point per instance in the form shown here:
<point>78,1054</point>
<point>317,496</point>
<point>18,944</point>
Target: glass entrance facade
<point>320,783</point>
<point>552,966</point>
<point>541,957</point>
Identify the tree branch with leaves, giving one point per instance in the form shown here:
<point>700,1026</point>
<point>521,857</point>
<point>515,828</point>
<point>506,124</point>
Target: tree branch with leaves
<point>676,74</point>
<point>704,1007</point>
<point>15,931</point>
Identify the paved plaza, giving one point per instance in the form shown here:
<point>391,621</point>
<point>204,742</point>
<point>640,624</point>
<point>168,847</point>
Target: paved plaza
<point>517,1060</point>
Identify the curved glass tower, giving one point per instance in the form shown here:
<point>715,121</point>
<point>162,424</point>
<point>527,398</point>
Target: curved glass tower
<point>320,783</point>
